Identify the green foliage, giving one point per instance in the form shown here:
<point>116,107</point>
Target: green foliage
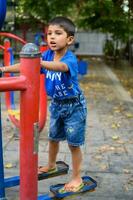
<point>41,10</point>
<point>109,48</point>
<point>108,16</point>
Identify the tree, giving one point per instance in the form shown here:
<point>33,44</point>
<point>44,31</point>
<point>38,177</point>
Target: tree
<point>33,11</point>
<point>109,16</point>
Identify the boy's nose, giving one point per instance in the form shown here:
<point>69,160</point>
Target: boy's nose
<point>52,35</point>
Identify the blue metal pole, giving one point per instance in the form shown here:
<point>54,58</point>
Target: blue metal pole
<point>12,74</point>
<point>2,12</point>
<point>2,184</point>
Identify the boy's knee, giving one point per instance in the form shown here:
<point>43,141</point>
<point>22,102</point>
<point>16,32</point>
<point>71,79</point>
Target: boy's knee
<point>53,142</point>
<point>73,148</point>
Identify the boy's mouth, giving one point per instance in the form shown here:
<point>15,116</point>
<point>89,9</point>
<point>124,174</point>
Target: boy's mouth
<point>53,44</point>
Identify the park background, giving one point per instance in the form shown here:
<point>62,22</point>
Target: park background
<point>104,40</point>
<point>103,27</point>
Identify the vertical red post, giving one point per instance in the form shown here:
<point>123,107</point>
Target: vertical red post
<point>7,61</point>
<point>43,99</point>
<point>7,45</point>
<point>29,117</point>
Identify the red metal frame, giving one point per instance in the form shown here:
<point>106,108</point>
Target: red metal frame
<point>43,95</point>
<point>28,83</point>
<point>43,98</point>
<point>10,35</point>
<point>28,153</point>
<point>7,45</point>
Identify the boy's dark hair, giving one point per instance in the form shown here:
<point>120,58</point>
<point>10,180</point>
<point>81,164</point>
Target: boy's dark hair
<point>65,23</point>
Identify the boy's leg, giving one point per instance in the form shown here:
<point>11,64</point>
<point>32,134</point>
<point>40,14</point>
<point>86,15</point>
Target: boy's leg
<point>75,134</point>
<point>76,165</point>
<point>53,151</point>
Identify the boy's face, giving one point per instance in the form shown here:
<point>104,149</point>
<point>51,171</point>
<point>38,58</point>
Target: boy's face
<point>57,38</point>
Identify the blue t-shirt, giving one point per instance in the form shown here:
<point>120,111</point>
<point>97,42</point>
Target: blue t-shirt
<point>62,85</point>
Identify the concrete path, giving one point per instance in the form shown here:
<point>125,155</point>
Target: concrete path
<point>108,152</point>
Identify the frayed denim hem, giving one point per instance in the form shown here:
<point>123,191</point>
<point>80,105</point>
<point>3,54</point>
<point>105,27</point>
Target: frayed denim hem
<point>57,139</point>
<point>76,145</point>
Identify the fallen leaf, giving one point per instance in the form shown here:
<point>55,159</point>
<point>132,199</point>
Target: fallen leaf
<point>115,137</point>
<point>126,171</point>
<point>104,167</point>
<point>8,165</point>
<point>115,125</point>
<point>129,115</point>
<point>126,188</point>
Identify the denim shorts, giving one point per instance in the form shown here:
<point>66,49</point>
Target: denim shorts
<point>68,120</point>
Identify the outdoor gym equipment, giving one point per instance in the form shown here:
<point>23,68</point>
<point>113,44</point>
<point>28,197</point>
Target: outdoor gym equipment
<point>29,121</point>
<point>39,37</point>
<point>28,85</point>
<point>9,96</point>
<point>2,189</point>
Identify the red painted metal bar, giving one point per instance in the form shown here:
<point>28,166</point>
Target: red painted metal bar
<point>13,83</point>
<point>28,83</point>
<point>42,103</point>
<point>10,35</point>
<point>7,45</point>
<point>43,95</point>
<point>29,118</point>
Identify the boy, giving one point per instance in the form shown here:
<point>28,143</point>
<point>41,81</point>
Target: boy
<point>68,108</point>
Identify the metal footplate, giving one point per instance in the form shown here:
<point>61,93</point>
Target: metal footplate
<point>89,184</point>
<point>61,169</point>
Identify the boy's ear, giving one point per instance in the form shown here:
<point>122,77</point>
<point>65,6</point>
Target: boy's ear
<point>70,40</point>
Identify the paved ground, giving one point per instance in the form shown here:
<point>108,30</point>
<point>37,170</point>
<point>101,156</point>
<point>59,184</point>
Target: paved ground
<point>108,152</point>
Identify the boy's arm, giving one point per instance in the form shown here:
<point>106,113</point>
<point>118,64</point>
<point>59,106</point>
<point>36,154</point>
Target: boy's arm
<point>14,68</point>
<point>54,66</point>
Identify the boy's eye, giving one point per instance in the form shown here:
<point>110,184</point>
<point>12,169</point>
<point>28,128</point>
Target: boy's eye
<point>54,33</point>
<point>58,33</point>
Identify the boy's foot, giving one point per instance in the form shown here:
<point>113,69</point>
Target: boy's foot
<point>72,186</point>
<point>46,169</point>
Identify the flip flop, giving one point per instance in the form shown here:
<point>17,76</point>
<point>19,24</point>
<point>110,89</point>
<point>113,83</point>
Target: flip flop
<point>76,189</point>
<point>50,171</point>
<point>61,168</point>
<point>88,185</point>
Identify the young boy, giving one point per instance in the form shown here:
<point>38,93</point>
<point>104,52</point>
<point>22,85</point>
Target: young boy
<point>68,107</point>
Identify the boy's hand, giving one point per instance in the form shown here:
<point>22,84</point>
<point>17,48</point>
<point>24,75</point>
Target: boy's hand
<point>41,61</point>
<point>2,69</point>
<point>1,72</point>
